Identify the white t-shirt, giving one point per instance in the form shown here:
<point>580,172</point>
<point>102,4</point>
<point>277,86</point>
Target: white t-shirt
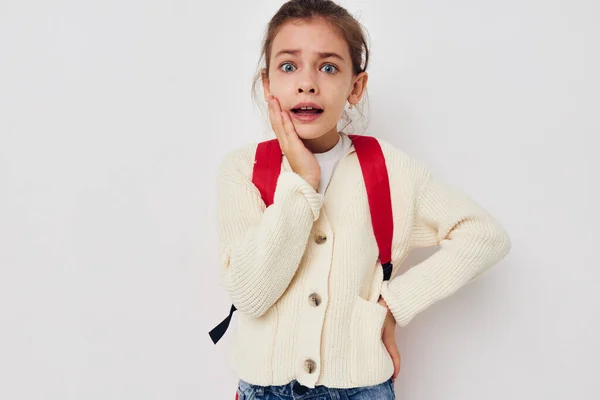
<point>329,160</point>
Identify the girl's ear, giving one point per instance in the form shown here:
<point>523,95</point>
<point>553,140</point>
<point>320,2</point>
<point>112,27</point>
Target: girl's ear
<point>266,84</point>
<point>358,87</point>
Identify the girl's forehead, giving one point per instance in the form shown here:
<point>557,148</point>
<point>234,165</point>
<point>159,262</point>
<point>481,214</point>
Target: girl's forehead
<point>313,36</point>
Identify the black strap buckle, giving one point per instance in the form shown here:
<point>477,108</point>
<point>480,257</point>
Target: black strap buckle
<point>387,270</point>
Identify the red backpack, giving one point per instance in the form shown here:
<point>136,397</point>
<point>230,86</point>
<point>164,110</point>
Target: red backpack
<point>267,166</point>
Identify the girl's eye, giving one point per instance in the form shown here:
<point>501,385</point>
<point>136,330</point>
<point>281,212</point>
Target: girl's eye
<point>332,68</point>
<point>289,67</point>
<point>284,69</point>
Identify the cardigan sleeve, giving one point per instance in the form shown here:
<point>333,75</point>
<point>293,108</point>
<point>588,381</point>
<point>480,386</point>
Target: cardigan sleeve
<point>470,240</point>
<point>261,247</point>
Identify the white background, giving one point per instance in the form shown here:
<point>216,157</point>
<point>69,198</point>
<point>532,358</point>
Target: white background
<point>115,114</point>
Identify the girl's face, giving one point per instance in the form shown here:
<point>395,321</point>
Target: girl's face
<point>310,63</point>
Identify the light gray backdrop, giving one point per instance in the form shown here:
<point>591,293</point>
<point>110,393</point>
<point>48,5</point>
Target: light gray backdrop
<point>115,114</point>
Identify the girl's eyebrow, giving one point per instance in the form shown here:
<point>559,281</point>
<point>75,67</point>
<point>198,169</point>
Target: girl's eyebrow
<point>320,54</point>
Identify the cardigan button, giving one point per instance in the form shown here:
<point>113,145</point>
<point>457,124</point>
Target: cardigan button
<point>320,237</point>
<point>310,366</point>
<point>314,299</point>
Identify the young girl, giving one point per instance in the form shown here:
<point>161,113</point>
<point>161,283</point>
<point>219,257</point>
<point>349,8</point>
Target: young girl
<point>316,317</point>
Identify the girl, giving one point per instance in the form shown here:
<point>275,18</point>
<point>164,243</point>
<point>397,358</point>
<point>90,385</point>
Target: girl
<point>316,316</point>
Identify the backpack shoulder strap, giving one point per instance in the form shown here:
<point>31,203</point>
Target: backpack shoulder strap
<point>267,166</point>
<point>375,175</point>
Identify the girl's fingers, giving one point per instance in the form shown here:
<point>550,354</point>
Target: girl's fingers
<point>392,348</point>
<point>288,126</point>
<point>273,117</point>
<point>276,120</point>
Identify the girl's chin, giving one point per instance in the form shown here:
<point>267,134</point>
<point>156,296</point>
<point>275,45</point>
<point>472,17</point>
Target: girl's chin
<point>308,133</point>
<point>310,136</point>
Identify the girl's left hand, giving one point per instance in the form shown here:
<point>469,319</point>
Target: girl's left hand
<point>389,338</point>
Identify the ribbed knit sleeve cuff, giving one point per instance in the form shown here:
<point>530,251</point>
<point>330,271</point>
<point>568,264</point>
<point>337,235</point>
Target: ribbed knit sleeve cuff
<point>291,184</point>
<point>405,303</point>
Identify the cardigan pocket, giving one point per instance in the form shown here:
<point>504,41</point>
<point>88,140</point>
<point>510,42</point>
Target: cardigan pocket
<point>370,362</point>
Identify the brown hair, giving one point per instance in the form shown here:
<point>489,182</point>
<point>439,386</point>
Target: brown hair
<point>340,20</point>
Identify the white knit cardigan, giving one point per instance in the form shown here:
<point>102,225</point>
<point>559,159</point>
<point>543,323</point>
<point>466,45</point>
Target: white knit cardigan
<point>304,274</point>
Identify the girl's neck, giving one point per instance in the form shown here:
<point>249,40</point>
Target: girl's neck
<point>322,143</point>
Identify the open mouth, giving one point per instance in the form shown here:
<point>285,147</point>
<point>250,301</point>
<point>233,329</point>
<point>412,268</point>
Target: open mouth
<point>306,114</point>
<point>306,111</point>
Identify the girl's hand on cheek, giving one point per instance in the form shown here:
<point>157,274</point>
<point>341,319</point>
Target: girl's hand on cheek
<point>302,160</point>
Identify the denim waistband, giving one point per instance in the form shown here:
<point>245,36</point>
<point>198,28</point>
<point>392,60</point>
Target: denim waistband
<point>288,390</point>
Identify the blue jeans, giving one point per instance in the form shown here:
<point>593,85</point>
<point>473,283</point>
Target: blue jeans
<point>382,391</point>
